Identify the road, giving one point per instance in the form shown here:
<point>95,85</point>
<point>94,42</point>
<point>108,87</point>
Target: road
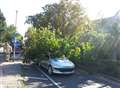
<point>78,80</point>
<point>35,79</point>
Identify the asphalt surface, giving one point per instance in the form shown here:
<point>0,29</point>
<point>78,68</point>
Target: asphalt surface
<point>81,80</point>
<point>77,80</point>
<point>34,78</point>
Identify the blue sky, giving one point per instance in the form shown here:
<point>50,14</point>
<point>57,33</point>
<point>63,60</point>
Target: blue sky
<point>94,8</point>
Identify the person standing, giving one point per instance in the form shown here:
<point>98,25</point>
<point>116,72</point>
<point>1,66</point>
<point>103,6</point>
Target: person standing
<point>7,50</point>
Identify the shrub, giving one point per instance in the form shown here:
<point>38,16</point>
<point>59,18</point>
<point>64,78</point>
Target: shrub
<point>42,42</point>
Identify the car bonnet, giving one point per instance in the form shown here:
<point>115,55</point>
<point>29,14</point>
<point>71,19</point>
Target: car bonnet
<point>61,62</point>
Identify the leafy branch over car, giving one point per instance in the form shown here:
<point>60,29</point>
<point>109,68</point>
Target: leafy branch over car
<point>64,29</point>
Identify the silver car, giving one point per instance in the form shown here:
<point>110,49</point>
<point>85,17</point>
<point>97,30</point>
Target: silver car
<point>58,65</point>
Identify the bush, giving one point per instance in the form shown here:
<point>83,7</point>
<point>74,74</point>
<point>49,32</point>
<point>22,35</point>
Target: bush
<point>110,68</point>
<point>43,42</point>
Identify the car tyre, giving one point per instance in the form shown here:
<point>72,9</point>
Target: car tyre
<point>39,64</point>
<point>50,71</point>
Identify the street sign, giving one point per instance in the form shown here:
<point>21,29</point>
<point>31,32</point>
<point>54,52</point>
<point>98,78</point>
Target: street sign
<point>14,42</point>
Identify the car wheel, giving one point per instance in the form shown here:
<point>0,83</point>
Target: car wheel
<point>50,71</point>
<point>39,64</point>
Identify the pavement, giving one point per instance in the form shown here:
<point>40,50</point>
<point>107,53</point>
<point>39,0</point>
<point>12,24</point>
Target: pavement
<point>10,74</point>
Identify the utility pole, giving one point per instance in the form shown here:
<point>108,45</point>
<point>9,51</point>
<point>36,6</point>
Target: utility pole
<point>15,33</point>
<point>16,19</point>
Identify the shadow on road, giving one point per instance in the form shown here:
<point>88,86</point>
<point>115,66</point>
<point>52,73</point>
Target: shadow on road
<point>34,78</point>
<point>1,58</point>
<point>81,80</point>
<point>11,68</point>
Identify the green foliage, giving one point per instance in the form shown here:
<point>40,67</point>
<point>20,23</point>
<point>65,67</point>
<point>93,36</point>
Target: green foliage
<point>2,25</point>
<point>8,33</point>
<point>2,21</point>
<point>43,42</point>
<point>110,66</point>
<point>64,29</point>
<point>67,16</point>
<point>19,37</point>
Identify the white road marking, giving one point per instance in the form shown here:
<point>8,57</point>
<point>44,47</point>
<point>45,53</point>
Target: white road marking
<point>39,78</point>
<point>49,78</point>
